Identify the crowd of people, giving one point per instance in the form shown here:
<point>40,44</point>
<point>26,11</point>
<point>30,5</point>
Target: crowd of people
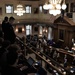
<point>12,60</point>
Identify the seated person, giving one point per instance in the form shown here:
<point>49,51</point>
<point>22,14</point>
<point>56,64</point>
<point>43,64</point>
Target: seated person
<point>11,68</point>
<point>16,48</point>
<point>22,62</point>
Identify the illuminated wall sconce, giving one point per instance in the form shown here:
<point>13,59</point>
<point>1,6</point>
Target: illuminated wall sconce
<point>20,29</point>
<point>74,44</point>
<point>23,29</point>
<point>45,30</point>
<point>16,30</point>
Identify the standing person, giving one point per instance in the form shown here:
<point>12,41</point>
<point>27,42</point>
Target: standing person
<point>9,33</point>
<point>4,25</point>
<point>65,61</point>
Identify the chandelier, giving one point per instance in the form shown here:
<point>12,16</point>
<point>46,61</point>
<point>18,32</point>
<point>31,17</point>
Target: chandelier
<point>19,10</point>
<point>55,6</point>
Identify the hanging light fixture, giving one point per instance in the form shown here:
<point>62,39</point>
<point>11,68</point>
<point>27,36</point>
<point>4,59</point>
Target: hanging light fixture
<point>55,6</point>
<point>19,10</point>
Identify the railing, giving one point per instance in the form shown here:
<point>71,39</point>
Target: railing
<point>54,67</point>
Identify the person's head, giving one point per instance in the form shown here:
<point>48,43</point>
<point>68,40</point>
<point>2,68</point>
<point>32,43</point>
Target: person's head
<point>13,48</point>
<point>11,19</point>
<point>6,19</point>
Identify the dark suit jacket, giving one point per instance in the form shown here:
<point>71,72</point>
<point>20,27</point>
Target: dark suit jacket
<point>8,31</point>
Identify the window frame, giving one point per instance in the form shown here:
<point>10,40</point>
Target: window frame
<point>39,8</point>
<point>12,10</point>
<point>29,9</point>
<point>30,29</point>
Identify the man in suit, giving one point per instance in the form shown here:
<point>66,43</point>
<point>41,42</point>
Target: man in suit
<point>8,30</point>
